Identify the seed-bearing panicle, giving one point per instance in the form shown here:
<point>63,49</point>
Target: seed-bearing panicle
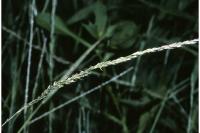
<point>78,76</point>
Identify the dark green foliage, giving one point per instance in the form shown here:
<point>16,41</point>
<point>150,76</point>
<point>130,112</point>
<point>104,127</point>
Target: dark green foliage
<point>159,96</point>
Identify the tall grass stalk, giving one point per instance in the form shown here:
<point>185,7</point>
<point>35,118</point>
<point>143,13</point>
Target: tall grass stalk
<point>39,67</point>
<point>52,47</point>
<point>29,59</point>
<point>52,41</point>
<point>193,80</point>
<point>74,78</point>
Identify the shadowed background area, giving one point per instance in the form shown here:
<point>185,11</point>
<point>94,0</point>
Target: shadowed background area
<point>44,40</point>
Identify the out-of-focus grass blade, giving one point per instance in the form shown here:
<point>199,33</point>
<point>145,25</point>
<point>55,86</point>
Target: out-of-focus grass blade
<point>92,29</point>
<point>124,35</point>
<point>145,119</point>
<point>113,118</point>
<point>81,14</point>
<point>100,18</point>
<point>44,20</point>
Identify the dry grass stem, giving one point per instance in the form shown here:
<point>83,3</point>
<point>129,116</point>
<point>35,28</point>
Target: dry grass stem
<point>74,78</point>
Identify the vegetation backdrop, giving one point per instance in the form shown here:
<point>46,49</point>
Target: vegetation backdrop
<point>44,41</point>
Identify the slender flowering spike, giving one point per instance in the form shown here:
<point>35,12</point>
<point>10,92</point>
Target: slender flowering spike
<point>74,78</point>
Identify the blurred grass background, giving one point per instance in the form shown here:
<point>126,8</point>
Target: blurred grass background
<point>54,37</point>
